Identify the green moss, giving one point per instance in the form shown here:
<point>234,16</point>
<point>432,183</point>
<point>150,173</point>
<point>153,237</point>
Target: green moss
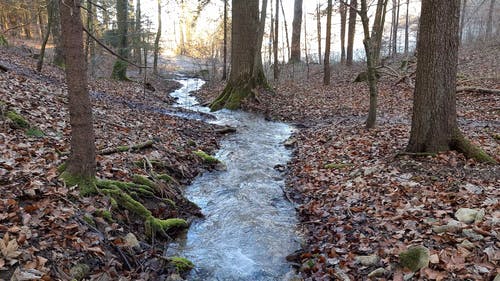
<point>206,158</point>
<point>463,145</point>
<point>191,143</point>
<point>61,168</point>
<point>35,132</point>
<point>181,264</point>
<point>154,163</point>
<point>126,186</point>
<point>123,148</point>
<point>3,41</point>
<point>166,178</point>
<point>89,219</point>
<point>496,136</point>
<point>154,225</point>
<point>113,202</point>
<point>126,201</point>
<point>120,71</point>
<point>337,166</point>
<point>79,271</point>
<point>17,119</point>
<point>143,180</point>
<point>415,258</point>
<point>86,185</point>
<point>105,214</point>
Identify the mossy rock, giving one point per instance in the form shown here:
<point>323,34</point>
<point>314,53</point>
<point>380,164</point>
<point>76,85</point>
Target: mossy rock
<point>415,258</point>
<point>337,166</point>
<point>154,225</point>
<point>79,271</point>
<point>18,119</point>
<point>181,264</point>
<point>205,157</point>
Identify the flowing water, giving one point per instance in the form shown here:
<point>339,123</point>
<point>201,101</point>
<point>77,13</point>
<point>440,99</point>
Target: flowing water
<point>249,227</point>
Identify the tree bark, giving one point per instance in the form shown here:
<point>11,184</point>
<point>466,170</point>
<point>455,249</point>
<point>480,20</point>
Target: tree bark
<point>407,27</point>
<point>50,19</point>
<point>157,41</point>
<point>58,58</point>
<point>286,29</point>
<point>395,26</point>
<point>462,20</point>
<point>224,67</point>
<point>489,24</point>
<point>246,74</point>
<point>326,66</point>
<point>276,42</point>
<point>434,125</point>
<point>296,30</point>
<point>81,165</point>
<point>351,32</point>
<point>378,29</point>
<point>138,36</point>
<point>318,27</point>
<point>120,66</point>
<point>343,21</point>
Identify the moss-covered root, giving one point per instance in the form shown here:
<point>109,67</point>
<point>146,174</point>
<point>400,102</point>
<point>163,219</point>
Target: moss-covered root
<point>463,145</point>
<point>154,225</point>
<point>18,120</point>
<point>3,41</point>
<point>181,264</point>
<point>232,96</point>
<point>86,185</point>
<point>205,157</point>
<point>144,180</point>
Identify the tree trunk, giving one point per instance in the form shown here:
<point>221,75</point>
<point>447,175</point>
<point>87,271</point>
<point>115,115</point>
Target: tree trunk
<point>462,20</point>
<point>245,76</point>
<point>407,27</point>
<point>276,42</point>
<point>343,21</point>
<point>120,66</point>
<point>434,125</point>
<point>489,24</point>
<point>326,66</point>
<point>286,29</point>
<point>271,35</point>
<point>50,19</point>
<point>258,71</point>
<point>351,32</point>
<point>81,165</point>
<point>296,30</point>
<point>395,26</point>
<point>138,36</point>
<point>378,29</point>
<point>224,67</point>
<point>318,27</point>
<point>58,58</point>
<point>157,41</point>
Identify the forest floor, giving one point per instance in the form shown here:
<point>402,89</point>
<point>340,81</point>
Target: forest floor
<point>48,231</point>
<point>362,201</point>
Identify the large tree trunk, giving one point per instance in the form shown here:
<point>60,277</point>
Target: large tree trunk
<point>326,66</point>
<point>58,58</point>
<point>343,21</point>
<point>224,68</point>
<point>81,165</point>
<point>157,41</point>
<point>245,74</point>
<point>296,28</point>
<point>434,123</point>
<point>120,66</point>
<point>351,32</point>
<point>318,27</point>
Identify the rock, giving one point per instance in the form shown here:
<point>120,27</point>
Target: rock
<point>367,260</point>
<point>379,272</point>
<point>415,258</point>
<point>290,142</point>
<point>174,277</point>
<point>473,188</point>
<point>497,278</point>
<point>79,271</point>
<point>131,241</point>
<point>466,215</point>
<point>370,170</point>
<point>451,226</point>
<point>469,233</point>
<point>408,276</point>
<point>479,216</point>
<point>467,244</point>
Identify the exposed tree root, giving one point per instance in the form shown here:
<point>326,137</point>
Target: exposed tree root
<point>463,145</point>
<point>132,148</point>
<point>479,90</point>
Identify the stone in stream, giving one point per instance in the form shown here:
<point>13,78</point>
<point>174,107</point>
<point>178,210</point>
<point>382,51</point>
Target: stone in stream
<point>415,258</point>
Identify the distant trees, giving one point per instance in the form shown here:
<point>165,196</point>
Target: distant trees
<point>296,28</point>
<point>351,31</point>
<point>434,125</point>
<point>81,166</point>
<point>343,21</point>
<point>120,66</point>
<point>245,75</point>
<point>157,41</point>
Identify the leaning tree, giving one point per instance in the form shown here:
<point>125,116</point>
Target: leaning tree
<point>434,125</point>
<point>246,66</point>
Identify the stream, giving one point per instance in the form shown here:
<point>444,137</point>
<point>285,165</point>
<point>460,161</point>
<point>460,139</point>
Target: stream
<point>249,227</point>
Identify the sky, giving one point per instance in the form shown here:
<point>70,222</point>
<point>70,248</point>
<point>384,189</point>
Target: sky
<point>209,17</point>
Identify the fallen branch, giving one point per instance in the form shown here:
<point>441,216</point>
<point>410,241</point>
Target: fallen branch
<point>126,148</point>
<point>479,90</point>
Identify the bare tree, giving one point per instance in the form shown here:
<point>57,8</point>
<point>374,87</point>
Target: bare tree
<point>276,41</point>
<point>352,31</point>
<point>318,27</point>
<point>224,67</point>
<point>296,30</point>
<point>326,66</point>
<point>157,41</point>
<point>343,21</point>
